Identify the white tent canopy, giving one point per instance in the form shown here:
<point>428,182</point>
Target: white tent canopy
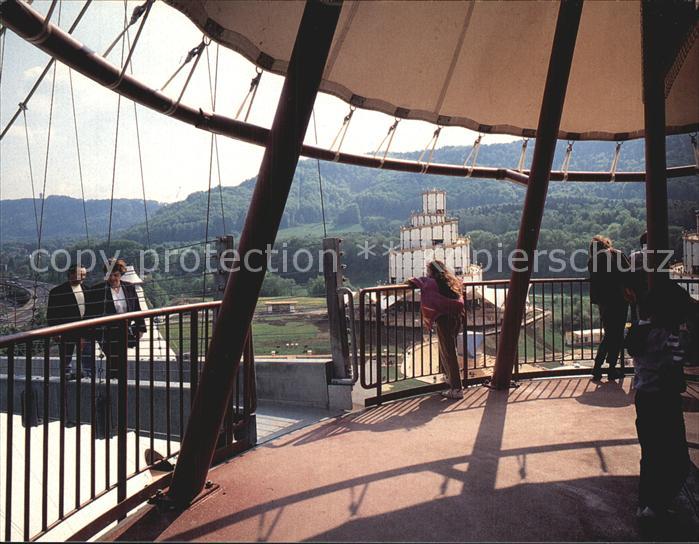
<point>465,63</point>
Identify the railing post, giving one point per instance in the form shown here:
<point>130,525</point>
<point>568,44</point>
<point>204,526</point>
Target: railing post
<point>193,355</point>
<point>546,135</point>
<point>122,410</point>
<point>332,272</point>
<point>250,393</point>
<point>282,151</point>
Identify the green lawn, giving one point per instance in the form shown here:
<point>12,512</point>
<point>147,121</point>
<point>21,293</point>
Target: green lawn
<point>316,229</point>
<point>271,331</point>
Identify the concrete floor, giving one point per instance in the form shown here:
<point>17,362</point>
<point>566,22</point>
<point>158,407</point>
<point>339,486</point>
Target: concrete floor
<point>555,459</point>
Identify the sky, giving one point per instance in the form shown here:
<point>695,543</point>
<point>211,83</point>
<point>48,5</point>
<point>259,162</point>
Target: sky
<point>175,155</point>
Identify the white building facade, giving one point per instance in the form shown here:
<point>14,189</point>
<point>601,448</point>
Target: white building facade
<point>688,270</point>
<point>430,235</point>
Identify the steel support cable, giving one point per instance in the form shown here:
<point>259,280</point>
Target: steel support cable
<point>320,178</point>
<point>473,156</point>
<point>389,136</point>
<point>77,148</point>
<point>43,73</point>
<point>135,16</point>
<point>615,162</point>
<point>46,162</point>
<point>138,135</point>
<point>341,133</point>
<point>252,92</point>
<point>31,170</point>
<point>522,155</point>
<point>192,54</point>
<point>431,145</point>
<point>214,93</point>
<point>2,54</point>
<point>23,19</point>
<point>116,148</point>
<point>2,61</point>
<point>566,160</point>
<point>132,47</point>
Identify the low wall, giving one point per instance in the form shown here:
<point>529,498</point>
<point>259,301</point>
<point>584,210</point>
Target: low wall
<point>295,381</point>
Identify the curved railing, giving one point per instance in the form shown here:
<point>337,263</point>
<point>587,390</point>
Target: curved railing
<point>559,335</point>
<point>80,453</point>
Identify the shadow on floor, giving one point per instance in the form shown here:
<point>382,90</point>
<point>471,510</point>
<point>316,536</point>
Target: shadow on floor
<point>589,509</point>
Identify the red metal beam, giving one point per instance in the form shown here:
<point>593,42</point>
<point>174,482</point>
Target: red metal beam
<point>549,123</point>
<point>274,179</point>
<point>654,124</point>
<point>28,23</point>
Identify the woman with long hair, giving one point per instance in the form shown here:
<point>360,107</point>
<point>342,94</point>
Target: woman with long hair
<point>609,275</point>
<point>442,304</point>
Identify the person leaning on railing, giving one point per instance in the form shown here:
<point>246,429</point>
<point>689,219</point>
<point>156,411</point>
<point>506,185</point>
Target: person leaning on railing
<point>659,382</point>
<point>67,304</point>
<point>111,297</point>
<point>442,303</point>
<point>610,291</point>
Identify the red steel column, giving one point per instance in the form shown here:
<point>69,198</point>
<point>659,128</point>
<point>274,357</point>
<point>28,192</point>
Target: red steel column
<point>654,125</point>
<point>282,152</point>
<point>546,135</point>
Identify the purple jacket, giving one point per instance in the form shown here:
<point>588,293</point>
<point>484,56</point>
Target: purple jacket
<point>433,303</point>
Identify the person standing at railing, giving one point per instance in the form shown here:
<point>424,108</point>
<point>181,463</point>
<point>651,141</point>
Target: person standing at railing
<point>659,382</point>
<point>111,297</point>
<point>67,304</point>
<point>609,290</point>
<point>442,304</point>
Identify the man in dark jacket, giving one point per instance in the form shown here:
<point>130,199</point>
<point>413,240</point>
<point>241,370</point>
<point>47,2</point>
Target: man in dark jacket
<point>608,268</point>
<point>67,303</point>
<point>115,297</point>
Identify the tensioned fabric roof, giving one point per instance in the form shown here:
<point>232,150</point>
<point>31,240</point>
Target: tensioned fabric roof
<point>477,64</point>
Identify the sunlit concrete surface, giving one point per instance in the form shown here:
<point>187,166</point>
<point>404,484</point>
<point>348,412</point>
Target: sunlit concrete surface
<point>272,421</point>
<point>555,459</point>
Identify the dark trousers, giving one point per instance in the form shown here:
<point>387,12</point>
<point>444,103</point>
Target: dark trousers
<point>664,453</point>
<point>447,331</point>
<point>66,350</point>
<point>613,321</point>
<point>113,345</point>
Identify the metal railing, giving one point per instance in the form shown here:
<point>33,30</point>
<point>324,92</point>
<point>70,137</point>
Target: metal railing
<point>560,333</point>
<point>91,448</point>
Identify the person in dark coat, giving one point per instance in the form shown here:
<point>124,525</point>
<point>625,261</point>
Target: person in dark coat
<point>608,268</point>
<point>659,382</point>
<point>111,297</point>
<point>67,304</point>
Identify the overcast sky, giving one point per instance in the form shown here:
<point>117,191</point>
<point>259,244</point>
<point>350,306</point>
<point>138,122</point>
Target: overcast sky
<point>175,155</point>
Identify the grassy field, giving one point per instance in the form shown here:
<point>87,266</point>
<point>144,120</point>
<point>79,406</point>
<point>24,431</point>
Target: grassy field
<point>316,229</point>
<point>286,334</point>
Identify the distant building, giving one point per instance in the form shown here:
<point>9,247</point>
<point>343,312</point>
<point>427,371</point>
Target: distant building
<point>585,337</point>
<point>281,306</point>
<point>430,235</point>
<point>688,269</point>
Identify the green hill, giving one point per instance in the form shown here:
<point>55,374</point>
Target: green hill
<point>376,199</point>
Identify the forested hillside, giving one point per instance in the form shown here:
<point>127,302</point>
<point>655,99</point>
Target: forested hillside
<point>64,217</point>
<point>367,206</point>
<point>374,198</point>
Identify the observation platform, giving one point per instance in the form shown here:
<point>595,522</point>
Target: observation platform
<point>555,459</point>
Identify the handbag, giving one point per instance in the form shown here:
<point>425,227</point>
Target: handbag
<point>635,341</point>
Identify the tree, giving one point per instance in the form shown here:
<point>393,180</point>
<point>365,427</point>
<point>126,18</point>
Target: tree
<point>316,287</point>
